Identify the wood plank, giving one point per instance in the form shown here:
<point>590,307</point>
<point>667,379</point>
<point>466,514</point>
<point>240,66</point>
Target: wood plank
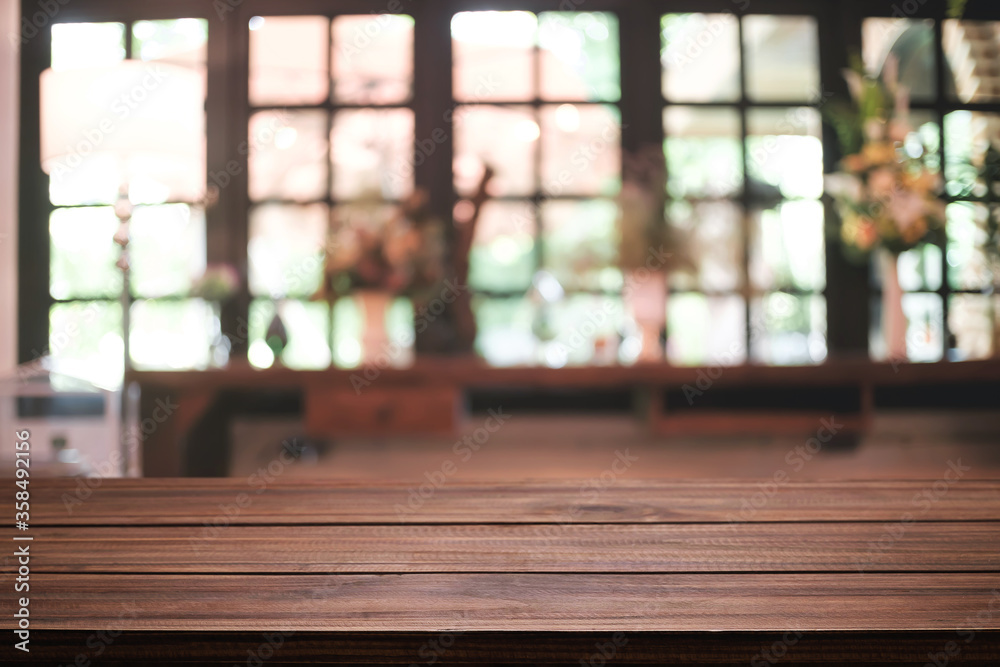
<point>829,547</point>
<point>516,602</point>
<point>269,500</point>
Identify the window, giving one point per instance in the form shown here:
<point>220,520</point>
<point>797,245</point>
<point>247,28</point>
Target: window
<point>167,247</point>
<point>948,297</point>
<point>536,102</point>
<point>745,175</point>
<point>330,143</point>
<point>322,114</point>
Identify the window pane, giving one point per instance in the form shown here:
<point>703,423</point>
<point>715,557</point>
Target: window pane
<point>288,60</point>
<point>784,151</point>
<point>581,150</point>
<point>85,341</point>
<point>83,253</point>
<point>581,243</point>
<point>703,152</point>
<point>911,42</point>
<point>307,326</point>
<point>973,319</point>
<point>782,58</point>
<point>919,269</point>
<point>788,249</point>
<point>706,330</point>
<point>504,138</point>
<point>502,256</point>
<point>700,56</point>
<point>714,232</point>
<point>372,59</point>
<point>372,152</point>
<point>579,56</point>
<point>83,45</point>
<point>970,49</point>
<point>968,264</point>
<point>171,335</point>
<point>179,41</point>
<point>505,327</point>
<point>167,249</point>
<point>586,327</point>
<point>788,330</point>
<point>493,55</point>
<point>925,326</point>
<point>968,137</point>
<point>286,249</point>
<point>288,155</point>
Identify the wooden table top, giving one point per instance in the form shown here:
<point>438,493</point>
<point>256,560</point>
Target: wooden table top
<point>231,556</point>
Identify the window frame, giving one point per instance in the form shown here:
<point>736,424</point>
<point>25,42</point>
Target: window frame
<point>228,112</point>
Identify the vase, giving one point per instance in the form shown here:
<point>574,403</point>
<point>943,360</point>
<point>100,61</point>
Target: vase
<point>375,342</point>
<point>893,317</point>
<point>646,299</point>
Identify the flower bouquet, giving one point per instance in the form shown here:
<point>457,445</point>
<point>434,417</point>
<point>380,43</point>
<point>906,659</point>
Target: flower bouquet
<point>887,191</point>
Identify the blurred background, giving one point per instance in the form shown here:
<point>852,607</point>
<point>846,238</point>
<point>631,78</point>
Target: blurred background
<point>240,233</point>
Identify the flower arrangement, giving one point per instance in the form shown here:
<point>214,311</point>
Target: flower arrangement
<point>374,247</point>
<point>887,190</point>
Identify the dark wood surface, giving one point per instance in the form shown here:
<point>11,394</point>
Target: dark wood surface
<point>825,572</point>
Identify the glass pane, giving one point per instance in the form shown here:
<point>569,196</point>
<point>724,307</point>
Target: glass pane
<point>581,150</point>
<point>288,59</point>
<point>919,269</point>
<point>83,45</point>
<point>784,151</point>
<point>788,330</point>
<point>925,326</point>
<point>972,139</point>
<point>788,250</point>
<point>288,152</point>
<point>493,55</point>
<point>180,41</point>
<point>502,256</point>
<point>372,59</point>
<point>172,335</point>
<point>83,253</point>
<point>307,326</point>
<point>505,138</point>
<point>579,56</point>
<point>703,152</point>
<point>700,55</point>
<point>911,42</point>
<point>972,318</point>
<point>581,243</point>
<point>85,341</point>
<point>167,249</point>
<point>286,249</point>
<point>970,49</point>
<point>94,181</point>
<point>714,243</point>
<point>782,58</point>
<point>704,330</point>
<point>968,264</point>
<point>504,335</point>
<point>347,331</point>
<point>372,154</point>
<point>586,327</point>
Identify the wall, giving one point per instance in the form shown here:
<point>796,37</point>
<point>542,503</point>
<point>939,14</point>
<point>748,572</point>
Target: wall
<point>9,19</point>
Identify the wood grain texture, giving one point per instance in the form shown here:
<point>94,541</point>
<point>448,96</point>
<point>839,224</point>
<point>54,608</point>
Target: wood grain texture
<point>272,501</point>
<point>517,602</point>
<point>658,548</point>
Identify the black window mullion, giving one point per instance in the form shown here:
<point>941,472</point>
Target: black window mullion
<point>944,291</point>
